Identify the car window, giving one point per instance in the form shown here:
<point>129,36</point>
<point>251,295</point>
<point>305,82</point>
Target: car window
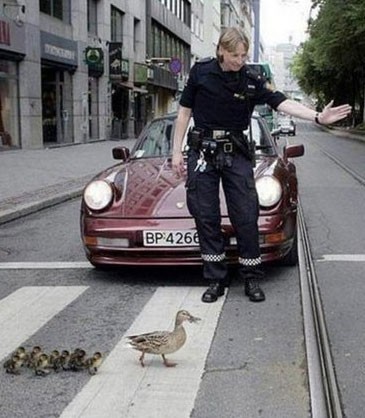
<point>261,137</point>
<point>156,140</point>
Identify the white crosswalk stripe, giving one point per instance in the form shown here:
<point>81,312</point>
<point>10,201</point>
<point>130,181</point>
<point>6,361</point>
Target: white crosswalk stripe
<point>123,388</point>
<point>26,310</point>
<point>45,265</point>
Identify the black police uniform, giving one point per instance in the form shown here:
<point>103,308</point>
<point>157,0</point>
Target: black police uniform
<point>222,102</point>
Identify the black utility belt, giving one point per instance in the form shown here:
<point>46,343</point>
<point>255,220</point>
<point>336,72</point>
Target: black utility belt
<point>220,133</point>
<point>211,146</point>
<point>211,141</point>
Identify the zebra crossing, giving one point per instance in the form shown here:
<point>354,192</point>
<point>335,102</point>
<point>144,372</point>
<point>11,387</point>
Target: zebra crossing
<point>122,388</point>
<point>28,309</point>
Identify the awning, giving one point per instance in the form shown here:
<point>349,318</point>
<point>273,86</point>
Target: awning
<point>130,86</point>
<point>139,90</point>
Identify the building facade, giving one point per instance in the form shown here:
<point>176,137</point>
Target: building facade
<point>74,71</point>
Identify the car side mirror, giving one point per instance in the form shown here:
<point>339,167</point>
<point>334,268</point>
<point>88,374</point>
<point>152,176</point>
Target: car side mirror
<point>292,151</point>
<point>121,153</point>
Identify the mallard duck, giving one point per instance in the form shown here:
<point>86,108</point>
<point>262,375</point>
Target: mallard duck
<point>163,342</point>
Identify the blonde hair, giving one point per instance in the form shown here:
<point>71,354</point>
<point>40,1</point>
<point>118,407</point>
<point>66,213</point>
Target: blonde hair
<point>229,39</point>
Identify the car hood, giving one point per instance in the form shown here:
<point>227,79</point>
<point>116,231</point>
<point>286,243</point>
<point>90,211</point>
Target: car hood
<point>148,188</point>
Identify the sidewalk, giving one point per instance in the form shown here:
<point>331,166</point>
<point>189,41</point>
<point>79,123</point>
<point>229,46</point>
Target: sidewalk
<point>35,179</point>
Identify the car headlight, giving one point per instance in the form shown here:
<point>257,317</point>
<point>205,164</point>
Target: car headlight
<point>98,194</point>
<point>269,190</point>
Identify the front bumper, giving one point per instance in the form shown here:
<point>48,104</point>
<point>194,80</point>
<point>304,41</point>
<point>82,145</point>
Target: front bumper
<point>109,241</point>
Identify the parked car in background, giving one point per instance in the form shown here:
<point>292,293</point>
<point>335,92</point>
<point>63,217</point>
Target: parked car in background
<point>287,126</point>
<point>135,213</point>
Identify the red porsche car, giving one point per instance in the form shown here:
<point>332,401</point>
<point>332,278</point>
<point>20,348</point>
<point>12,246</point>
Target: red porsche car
<point>135,212</point>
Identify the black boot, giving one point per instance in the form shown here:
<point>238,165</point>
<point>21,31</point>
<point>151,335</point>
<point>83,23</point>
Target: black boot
<point>213,292</point>
<point>253,290</point>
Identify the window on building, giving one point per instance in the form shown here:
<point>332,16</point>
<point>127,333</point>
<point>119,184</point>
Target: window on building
<point>156,49</point>
<point>163,44</point>
<point>168,46</point>
<point>185,12</point>
<point>59,9</point>
<point>92,21</point>
<point>136,33</point>
<point>197,26</point>
<point>116,24</point>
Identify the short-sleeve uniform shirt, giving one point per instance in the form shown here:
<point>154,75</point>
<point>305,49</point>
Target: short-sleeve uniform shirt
<point>225,99</point>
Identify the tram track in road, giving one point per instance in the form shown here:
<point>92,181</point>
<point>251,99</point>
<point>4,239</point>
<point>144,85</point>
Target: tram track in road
<point>323,389</point>
<point>344,166</point>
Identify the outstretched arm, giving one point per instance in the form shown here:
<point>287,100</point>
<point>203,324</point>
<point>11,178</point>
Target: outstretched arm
<point>328,115</point>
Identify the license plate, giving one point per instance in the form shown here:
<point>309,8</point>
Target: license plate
<point>170,238</point>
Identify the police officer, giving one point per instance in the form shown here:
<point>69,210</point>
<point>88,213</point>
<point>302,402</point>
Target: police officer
<point>221,94</point>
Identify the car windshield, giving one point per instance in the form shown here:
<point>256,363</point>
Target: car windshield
<point>156,139</point>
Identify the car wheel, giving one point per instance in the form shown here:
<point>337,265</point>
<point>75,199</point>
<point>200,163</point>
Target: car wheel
<point>291,259</point>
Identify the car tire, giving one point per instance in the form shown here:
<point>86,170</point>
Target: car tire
<point>291,259</point>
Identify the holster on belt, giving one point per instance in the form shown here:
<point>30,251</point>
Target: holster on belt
<point>195,138</point>
<point>245,147</point>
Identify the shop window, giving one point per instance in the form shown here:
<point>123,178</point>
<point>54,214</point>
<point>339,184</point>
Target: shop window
<point>9,118</point>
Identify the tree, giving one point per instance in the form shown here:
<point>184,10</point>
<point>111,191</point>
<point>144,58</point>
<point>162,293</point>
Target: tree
<point>331,63</point>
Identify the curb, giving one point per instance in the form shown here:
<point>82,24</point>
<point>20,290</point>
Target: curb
<point>29,203</point>
<point>343,133</point>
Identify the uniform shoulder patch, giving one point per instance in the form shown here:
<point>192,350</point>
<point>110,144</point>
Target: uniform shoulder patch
<point>205,60</point>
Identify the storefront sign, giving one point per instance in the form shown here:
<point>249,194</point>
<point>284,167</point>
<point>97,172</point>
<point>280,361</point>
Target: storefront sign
<point>115,58</point>
<point>125,69</point>
<point>94,59</point>
<point>94,56</point>
<point>140,73</point>
<point>55,48</point>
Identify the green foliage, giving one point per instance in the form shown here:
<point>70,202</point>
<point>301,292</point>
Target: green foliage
<point>331,63</point>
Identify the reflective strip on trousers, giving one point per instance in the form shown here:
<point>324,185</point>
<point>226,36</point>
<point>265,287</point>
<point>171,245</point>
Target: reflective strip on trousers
<point>250,261</point>
<point>214,257</point>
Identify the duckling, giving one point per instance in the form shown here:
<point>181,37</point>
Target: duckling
<point>163,342</point>
<point>54,355</point>
<point>34,356</point>
<point>94,362</point>
<point>41,367</point>
<point>76,361</point>
<point>61,362</point>
<point>22,353</point>
<point>13,364</point>
<point>21,357</point>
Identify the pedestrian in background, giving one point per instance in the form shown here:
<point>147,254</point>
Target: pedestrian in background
<point>220,95</point>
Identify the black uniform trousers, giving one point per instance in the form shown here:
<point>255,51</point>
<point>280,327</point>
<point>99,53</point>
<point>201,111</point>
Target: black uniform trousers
<point>243,209</point>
